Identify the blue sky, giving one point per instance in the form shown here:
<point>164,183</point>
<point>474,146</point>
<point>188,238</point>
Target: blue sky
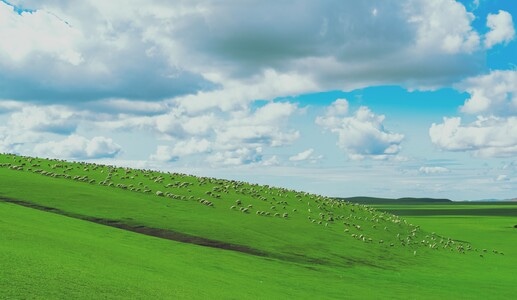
<point>342,98</point>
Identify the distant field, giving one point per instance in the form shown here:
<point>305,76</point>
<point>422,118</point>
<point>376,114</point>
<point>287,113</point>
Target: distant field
<point>454,209</point>
<point>73,230</point>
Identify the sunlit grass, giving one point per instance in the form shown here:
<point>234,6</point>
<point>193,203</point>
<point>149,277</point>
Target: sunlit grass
<point>309,245</point>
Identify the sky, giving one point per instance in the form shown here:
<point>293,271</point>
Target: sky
<point>406,98</point>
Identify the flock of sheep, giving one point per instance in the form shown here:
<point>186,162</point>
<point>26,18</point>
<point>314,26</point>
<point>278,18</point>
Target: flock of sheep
<point>359,222</point>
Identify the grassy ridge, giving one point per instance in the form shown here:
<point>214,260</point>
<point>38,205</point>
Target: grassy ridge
<point>337,225</point>
<point>321,247</point>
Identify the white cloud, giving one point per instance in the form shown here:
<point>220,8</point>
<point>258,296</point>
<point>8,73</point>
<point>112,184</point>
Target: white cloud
<point>79,147</point>
<point>5,145</point>
<point>475,4</point>
<point>272,161</point>
<point>231,136</point>
<point>502,178</point>
<point>124,106</point>
<point>493,93</point>
<point>443,25</point>
<point>163,153</point>
<point>223,55</point>
<point>433,170</point>
<point>304,155</point>
<point>486,137</point>
<point>62,53</point>
<point>236,157</point>
<point>177,123</point>
<point>7,106</point>
<point>235,94</point>
<point>501,29</point>
<point>182,148</point>
<point>259,128</point>
<point>338,108</point>
<point>493,98</point>
<point>363,134</point>
<point>41,32</point>
<point>54,119</point>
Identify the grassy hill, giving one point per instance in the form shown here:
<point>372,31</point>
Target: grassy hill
<point>76,229</point>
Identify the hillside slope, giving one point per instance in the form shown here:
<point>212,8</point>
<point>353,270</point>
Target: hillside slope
<point>276,232</point>
<point>283,223</point>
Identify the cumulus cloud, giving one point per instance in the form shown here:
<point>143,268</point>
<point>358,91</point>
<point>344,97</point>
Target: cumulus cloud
<point>7,106</point>
<point>54,119</point>
<point>272,161</point>
<point>501,29</point>
<point>231,52</point>
<point>130,107</point>
<point>236,94</point>
<point>236,157</point>
<point>182,148</point>
<point>450,31</point>
<point>79,147</point>
<point>176,123</point>
<point>486,137</point>
<point>231,137</point>
<point>493,93</point>
<point>361,135</point>
<point>433,170</point>
<point>59,53</point>
<point>337,42</point>
<point>502,178</point>
<point>242,138</point>
<point>493,98</point>
<point>5,145</point>
<point>338,108</point>
<point>37,33</point>
<point>259,128</point>
<point>304,155</point>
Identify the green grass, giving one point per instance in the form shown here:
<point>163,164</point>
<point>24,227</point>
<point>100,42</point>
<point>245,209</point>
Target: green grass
<point>48,256</point>
<point>54,256</point>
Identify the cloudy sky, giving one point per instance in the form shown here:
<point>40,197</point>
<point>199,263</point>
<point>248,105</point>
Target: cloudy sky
<point>341,98</point>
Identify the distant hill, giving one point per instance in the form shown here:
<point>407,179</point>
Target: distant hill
<point>405,200</point>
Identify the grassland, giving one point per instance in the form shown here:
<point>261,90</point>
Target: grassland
<point>61,237</point>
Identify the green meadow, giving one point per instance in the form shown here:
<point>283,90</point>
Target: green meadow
<point>76,230</point>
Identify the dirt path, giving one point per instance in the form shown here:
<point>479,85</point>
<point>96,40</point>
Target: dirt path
<point>156,232</point>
